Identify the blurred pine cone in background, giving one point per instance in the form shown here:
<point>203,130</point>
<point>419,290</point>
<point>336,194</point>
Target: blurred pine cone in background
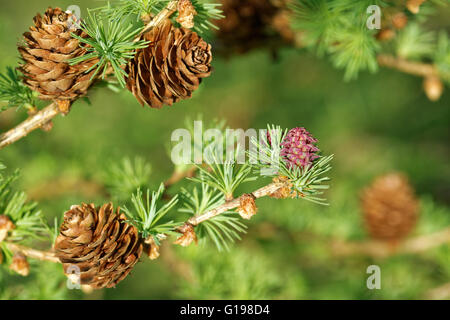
<point>99,244</point>
<point>390,207</point>
<point>49,45</point>
<point>170,68</point>
<point>250,24</point>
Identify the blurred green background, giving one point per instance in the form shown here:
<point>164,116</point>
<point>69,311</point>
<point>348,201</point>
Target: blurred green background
<point>379,123</point>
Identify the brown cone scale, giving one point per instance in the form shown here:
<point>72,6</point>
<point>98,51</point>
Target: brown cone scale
<point>170,68</point>
<point>48,47</point>
<point>390,207</point>
<point>99,243</point>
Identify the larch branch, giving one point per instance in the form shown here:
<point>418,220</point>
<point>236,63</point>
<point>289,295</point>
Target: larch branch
<point>403,65</point>
<point>32,123</point>
<point>261,192</point>
<point>161,16</point>
<point>33,253</point>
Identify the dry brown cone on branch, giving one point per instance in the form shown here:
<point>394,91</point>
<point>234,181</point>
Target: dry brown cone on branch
<point>433,87</point>
<point>390,208</point>
<point>20,264</point>
<point>6,225</point>
<point>414,5</point>
<point>250,24</point>
<point>186,13</point>
<point>99,243</point>
<point>48,47</point>
<point>151,248</point>
<point>170,68</point>
<point>247,206</point>
<point>284,192</point>
<point>188,235</point>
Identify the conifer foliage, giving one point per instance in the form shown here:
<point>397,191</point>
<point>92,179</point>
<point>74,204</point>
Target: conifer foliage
<point>160,52</point>
<point>158,49</point>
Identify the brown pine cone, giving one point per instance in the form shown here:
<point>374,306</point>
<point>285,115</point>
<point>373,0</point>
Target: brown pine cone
<point>99,243</point>
<point>390,207</point>
<point>49,46</point>
<point>170,68</point>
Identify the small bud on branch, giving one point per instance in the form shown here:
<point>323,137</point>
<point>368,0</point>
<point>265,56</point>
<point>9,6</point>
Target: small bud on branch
<point>151,248</point>
<point>20,264</point>
<point>186,14</point>
<point>188,236</point>
<point>247,206</point>
<point>6,225</point>
<point>414,5</point>
<point>433,87</point>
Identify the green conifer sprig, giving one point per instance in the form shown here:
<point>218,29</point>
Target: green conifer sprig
<point>224,229</point>
<point>28,220</point>
<point>354,50</point>
<point>147,212</point>
<point>415,43</point>
<point>112,42</point>
<point>125,177</point>
<point>206,11</point>
<point>29,224</point>
<point>318,20</point>
<point>223,174</point>
<point>117,10</point>
<point>338,28</point>
<point>14,92</point>
<point>309,182</point>
<point>442,56</point>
